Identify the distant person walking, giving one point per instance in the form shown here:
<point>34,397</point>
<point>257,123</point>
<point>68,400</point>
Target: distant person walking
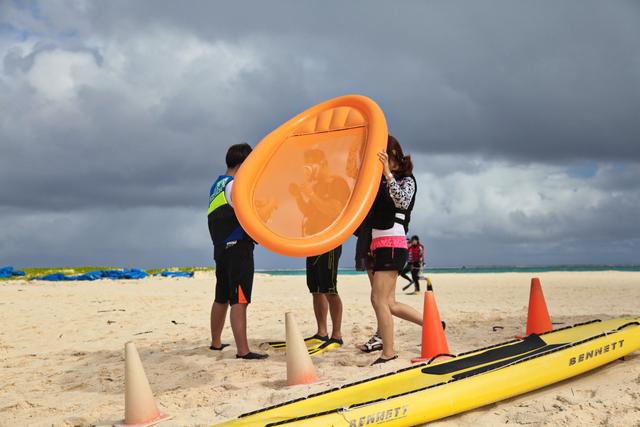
<point>414,264</point>
<point>405,271</point>
<point>233,254</point>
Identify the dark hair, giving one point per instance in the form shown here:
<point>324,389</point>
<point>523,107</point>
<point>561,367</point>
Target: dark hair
<point>416,238</point>
<point>236,154</point>
<point>394,150</point>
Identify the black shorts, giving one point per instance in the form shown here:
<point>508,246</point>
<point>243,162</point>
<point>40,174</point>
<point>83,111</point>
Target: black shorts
<point>364,259</point>
<point>390,259</point>
<point>322,272</point>
<point>234,273</point>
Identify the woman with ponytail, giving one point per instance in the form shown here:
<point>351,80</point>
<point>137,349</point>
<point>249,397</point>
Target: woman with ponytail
<point>389,221</point>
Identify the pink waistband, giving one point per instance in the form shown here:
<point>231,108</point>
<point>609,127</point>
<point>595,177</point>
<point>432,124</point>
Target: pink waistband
<point>389,242</point>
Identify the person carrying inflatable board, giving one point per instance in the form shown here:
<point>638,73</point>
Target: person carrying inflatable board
<point>320,198</point>
<point>389,221</point>
<point>233,255</point>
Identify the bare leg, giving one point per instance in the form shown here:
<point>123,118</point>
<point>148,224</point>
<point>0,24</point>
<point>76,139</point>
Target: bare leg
<point>218,316</point>
<point>320,309</point>
<point>370,275</point>
<point>384,283</point>
<point>404,311</point>
<point>239,327</point>
<point>335,308</point>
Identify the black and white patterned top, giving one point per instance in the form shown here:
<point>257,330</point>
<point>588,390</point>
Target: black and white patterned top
<point>402,191</point>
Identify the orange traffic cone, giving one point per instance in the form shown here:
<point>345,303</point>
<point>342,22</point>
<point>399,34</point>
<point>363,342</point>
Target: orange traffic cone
<point>140,408</point>
<point>538,320</point>
<point>434,342</point>
<point>300,369</point>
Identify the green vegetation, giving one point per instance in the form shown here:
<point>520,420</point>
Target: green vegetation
<point>194,269</point>
<point>43,271</point>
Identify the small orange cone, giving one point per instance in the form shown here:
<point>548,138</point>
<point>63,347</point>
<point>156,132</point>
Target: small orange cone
<point>300,369</point>
<point>538,320</point>
<point>140,409</point>
<point>434,342</point>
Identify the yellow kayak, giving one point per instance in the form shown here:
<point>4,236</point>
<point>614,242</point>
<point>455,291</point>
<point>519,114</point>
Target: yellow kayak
<point>429,392</point>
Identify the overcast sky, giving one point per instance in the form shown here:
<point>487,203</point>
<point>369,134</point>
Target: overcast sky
<point>523,120</point>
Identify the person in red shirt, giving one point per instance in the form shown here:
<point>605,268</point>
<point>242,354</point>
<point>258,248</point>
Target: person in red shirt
<point>416,260</point>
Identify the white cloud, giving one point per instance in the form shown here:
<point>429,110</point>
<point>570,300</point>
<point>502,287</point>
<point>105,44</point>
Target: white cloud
<point>156,64</point>
<point>518,202</point>
<point>57,74</point>
<point>148,67</point>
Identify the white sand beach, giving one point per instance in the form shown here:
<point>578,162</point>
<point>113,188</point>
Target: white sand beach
<point>61,346</point>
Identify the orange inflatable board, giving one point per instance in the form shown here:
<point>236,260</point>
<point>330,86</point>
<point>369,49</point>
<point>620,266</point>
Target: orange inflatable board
<point>309,184</point>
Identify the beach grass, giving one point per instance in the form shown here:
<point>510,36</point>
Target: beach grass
<point>186,269</point>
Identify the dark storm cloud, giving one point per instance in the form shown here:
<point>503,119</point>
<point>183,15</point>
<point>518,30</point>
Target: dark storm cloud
<point>530,82</point>
<point>114,153</point>
<point>158,90</point>
<point>131,237</point>
<point>540,80</point>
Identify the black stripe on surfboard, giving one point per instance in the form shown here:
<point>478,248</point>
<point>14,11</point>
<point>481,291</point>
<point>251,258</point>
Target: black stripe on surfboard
<point>519,339</point>
<point>530,343</point>
<point>504,362</point>
<point>627,324</point>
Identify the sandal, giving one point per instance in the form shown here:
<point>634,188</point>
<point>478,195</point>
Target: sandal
<point>380,360</point>
<point>374,344</point>
<point>252,356</point>
<point>218,348</point>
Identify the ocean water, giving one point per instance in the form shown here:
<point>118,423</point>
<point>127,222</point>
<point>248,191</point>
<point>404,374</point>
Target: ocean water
<point>479,269</point>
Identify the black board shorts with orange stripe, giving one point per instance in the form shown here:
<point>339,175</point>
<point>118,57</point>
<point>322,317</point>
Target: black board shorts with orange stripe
<point>322,272</point>
<point>234,273</point>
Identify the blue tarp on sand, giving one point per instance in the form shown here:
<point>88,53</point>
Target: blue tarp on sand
<point>177,274</point>
<point>133,273</point>
<point>8,271</point>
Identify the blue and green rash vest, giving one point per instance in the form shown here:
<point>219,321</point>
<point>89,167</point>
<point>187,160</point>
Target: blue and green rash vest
<point>224,227</point>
